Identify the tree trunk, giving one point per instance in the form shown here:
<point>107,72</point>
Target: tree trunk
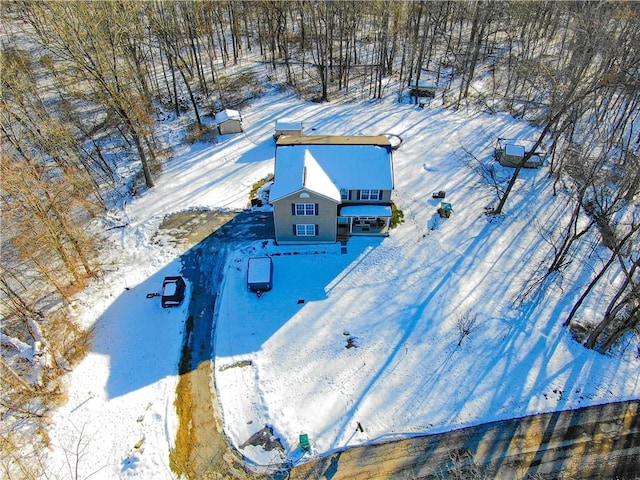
<point>630,324</point>
<point>527,157</point>
<point>610,314</point>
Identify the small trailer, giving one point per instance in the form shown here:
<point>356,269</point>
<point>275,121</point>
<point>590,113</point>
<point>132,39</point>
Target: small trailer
<point>259,274</point>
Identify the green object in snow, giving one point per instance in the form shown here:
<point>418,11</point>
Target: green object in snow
<point>304,442</point>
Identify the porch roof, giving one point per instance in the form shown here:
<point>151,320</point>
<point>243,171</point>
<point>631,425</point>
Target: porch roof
<point>366,211</point>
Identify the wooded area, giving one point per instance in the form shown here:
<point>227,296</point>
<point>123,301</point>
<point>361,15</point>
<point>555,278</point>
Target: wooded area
<point>83,84</point>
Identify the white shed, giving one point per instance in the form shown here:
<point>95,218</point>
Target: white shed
<point>286,126</point>
<point>229,121</point>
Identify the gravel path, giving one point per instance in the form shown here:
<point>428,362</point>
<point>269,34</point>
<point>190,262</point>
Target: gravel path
<point>202,450</point>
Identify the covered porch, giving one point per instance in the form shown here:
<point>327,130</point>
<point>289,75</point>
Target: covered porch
<point>364,220</point>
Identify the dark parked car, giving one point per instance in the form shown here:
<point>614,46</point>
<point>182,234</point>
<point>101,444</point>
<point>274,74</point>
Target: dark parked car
<point>172,291</point>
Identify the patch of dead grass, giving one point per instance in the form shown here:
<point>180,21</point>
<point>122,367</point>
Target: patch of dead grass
<point>180,455</point>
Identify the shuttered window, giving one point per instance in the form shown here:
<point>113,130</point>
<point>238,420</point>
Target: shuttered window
<point>301,209</point>
<point>305,230</point>
<point>370,195</point>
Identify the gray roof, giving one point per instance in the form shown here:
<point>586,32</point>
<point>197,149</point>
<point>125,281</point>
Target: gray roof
<point>380,140</point>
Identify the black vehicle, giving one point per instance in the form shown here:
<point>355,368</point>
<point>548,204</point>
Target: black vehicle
<point>172,291</point>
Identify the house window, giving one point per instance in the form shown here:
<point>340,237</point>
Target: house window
<point>344,194</point>
<point>370,195</point>
<point>305,230</point>
<point>305,209</point>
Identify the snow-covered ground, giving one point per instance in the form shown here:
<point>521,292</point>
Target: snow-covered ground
<point>397,300</point>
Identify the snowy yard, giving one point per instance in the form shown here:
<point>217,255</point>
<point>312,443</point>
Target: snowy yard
<point>400,299</point>
<point>396,301</point>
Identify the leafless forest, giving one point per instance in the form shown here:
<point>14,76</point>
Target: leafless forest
<point>84,83</point>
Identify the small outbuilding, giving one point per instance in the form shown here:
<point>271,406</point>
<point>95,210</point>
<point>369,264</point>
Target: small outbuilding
<point>423,88</point>
<point>285,126</point>
<point>510,153</point>
<point>228,121</point>
<point>260,274</point>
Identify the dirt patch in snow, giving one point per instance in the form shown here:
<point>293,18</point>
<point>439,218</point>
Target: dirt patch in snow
<point>190,227</point>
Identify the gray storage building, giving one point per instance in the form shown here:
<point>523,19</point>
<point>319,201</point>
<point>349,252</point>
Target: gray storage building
<point>229,121</point>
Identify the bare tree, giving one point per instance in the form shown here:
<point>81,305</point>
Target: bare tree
<point>166,30</point>
<point>465,325</point>
<point>621,246</point>
<point>624,309</point>
<point>92,39</point>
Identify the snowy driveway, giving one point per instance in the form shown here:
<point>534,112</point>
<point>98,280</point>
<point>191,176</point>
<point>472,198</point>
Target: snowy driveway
<point>200,441</point>
<point>203,266</point>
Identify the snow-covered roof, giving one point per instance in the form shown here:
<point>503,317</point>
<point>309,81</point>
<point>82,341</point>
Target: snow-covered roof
<point>527,145</point>
<point>366,211</point>
<point>288,124</point>
<point>302,172</point>
<point>259,270</point>
<point>346,166</point>
<point>514,150</point>
<point>424,84</point>
<point>227,114</point>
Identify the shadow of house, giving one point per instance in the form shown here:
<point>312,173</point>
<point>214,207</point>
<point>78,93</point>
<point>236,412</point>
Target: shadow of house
<point>144,341</point>
<point>130,331</point>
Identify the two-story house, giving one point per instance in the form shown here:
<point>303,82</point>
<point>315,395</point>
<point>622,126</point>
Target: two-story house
<point>328,187</point>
